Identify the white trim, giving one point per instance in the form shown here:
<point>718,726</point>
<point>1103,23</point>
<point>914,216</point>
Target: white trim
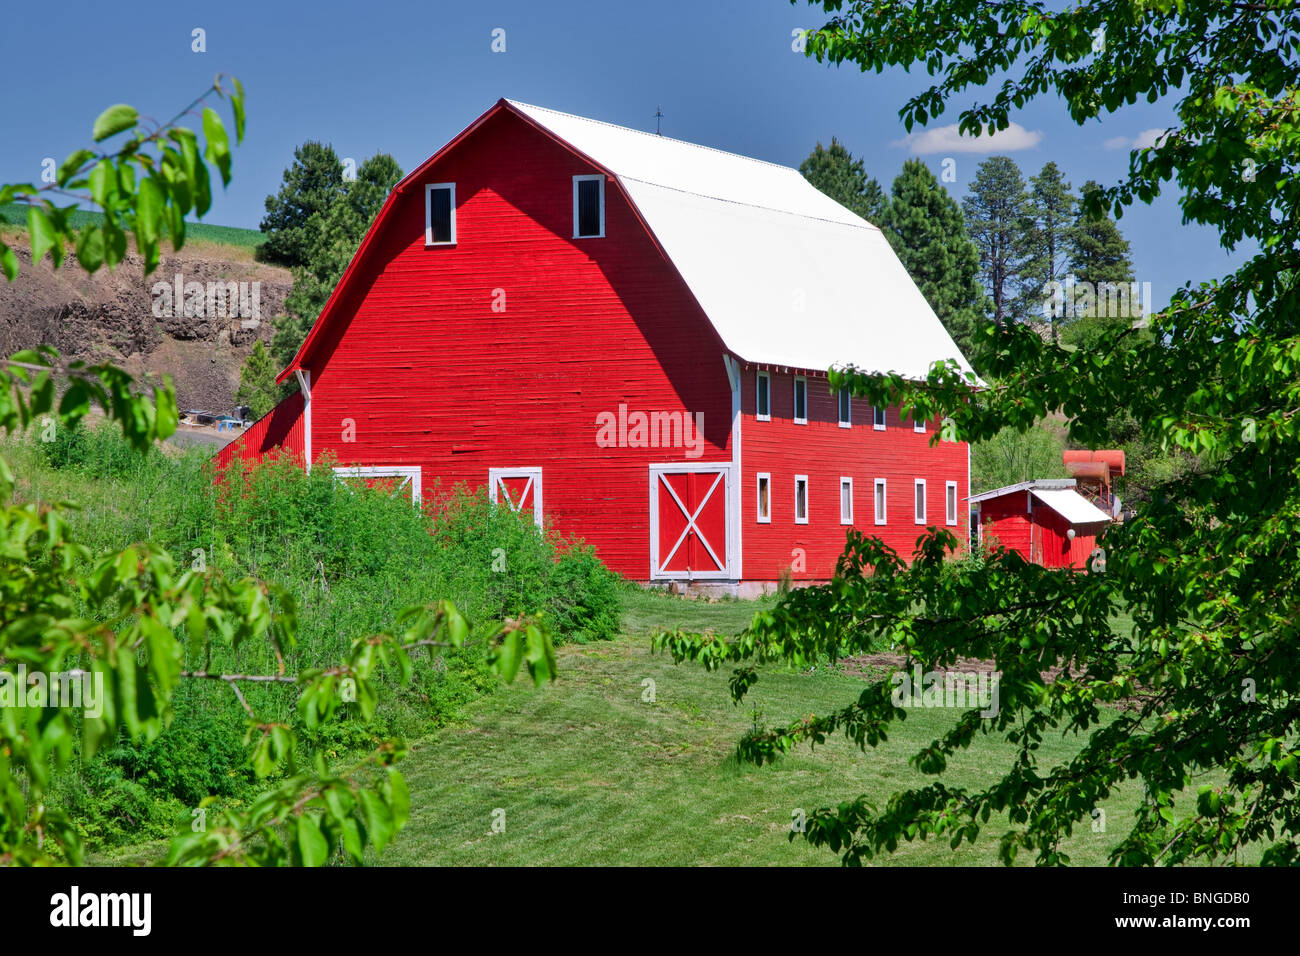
<point>411,474</point>
<point>428,214</point>
<point>880,496</point>
<point>759,478</point>
<point>794,411</point>
<point>534,476</point>
<point>950,494</point>
<point>597,177</point>
<point>848,398</point>
<point>736,553</point>
<point>807,505</point>
<point>918,427</point>
<point>882,414</point>
<point>925,502</point>
<point>763,377</point>
<point>304,386</point>
<point>677,468</point>
<point>845,479</point>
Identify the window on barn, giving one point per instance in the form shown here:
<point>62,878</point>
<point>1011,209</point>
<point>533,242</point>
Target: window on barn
<point>440,214</point>
<point>846,501</point>
<point>764,497</point>
<point>800,499</point>
<point>588,206</point>
<point>920,500</point>
<point>878,418</point>
<point>880,501</point>
<point>846,409</point>
<point>800,400</point>
<point>950,502</point>
<point>763,397</point>
<point>918,424</point>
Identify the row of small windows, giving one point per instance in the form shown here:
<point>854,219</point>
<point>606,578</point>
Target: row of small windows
<point>881,500</point>
<point>763,405</point>
<point>588,210</point>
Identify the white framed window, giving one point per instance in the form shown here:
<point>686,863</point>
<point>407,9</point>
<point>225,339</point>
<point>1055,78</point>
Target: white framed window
<point>398,479</point>
<point>919,490</point>
<point>440,214</point>
<point>846,500</point>
<point>800,400</point>
<point>918,424</point>
<point>877,418</point>
<point>846,409</point>
<point>763,499</point>
<point>800,499</point>
<point>589,206</point>
<point>763,397</point>
<point>520,489</point>
<point>950,502</point>
<point>881,500</point>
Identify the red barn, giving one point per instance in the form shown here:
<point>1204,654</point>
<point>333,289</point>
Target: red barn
<point>1047,521</point>
<point>626,336</point>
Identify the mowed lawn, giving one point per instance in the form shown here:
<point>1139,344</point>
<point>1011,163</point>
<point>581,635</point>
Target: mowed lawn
<point>585,771</point>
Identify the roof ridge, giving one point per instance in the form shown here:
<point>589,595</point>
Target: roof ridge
<point>674,139</point>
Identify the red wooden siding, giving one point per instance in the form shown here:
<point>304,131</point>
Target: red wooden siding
<point>1036,532</point>
<point>825,452</point>
<point>282,427</point>
<point>430,375</point>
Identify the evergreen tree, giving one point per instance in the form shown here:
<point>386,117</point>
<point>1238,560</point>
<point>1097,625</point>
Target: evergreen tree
<point>295,214</point>
<point>997,215</point>
<point>836,173</point>
<point>1099,260</point>
<point>925,226</point>
<point>1051,214</point>
<point>257,387</point>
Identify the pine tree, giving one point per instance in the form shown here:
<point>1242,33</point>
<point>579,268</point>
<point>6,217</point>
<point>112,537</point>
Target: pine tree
<point>257,387</point>
<point>1103,271</point>
<point>925,226</point>
<point>1051,215</point>
<point>836,173</point>
<point>996,218</point>
<point>295,214</point>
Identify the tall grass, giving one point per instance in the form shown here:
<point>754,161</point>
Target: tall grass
<point>348,557</point>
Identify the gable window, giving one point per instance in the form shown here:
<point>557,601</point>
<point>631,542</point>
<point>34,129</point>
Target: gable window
<point>764,506</point>
<point>878,418</point>
<point>950,502</point>
<point>846,501</point>
<point>763,397</point>
<point>846,409</point>
<point>800,400</point>
<point>920,500</point>
<point>880,501</point>
<point>800,499</point>
<point>588,206</point>
<point>440,214</point>
<point>918,424</point>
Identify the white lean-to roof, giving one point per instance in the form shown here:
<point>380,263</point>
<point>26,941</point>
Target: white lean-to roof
<point>786,275</point>
<point>1071,506</point>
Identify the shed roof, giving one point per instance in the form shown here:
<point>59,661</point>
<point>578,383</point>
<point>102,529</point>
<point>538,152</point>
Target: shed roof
<point>1072,506</point>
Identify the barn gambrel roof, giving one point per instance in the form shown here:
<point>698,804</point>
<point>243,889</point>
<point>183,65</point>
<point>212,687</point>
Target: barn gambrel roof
<point>786,275</point>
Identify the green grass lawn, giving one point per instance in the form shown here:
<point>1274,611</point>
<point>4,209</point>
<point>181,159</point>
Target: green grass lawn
<point>587,772</point>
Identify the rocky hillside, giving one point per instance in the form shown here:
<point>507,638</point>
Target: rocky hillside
<point>135,321</point>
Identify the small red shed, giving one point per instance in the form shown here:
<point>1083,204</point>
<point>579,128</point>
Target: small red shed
<point>626,337</point>
<point>1046,521</point>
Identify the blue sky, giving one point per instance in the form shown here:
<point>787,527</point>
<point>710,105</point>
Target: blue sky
<point>404,77</point>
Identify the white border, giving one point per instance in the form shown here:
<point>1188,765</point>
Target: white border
<point>807,502</point>
<point>428,214</point>
<point>849,519</point>
<point>534,474</point>
<point>763,377</point>
<point>848,422</point>
<point>597,177</point>
<point>918,427</point>
<point>947,487</point>
<point>925,500</point>
<point>885,418</point>
<point>882,515</point>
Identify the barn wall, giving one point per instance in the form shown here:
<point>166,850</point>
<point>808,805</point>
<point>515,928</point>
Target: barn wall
<point>824,452</point>
<point>1006,519</point>
<point>427,372</point>
<point>282,427</point>
<point>1058,550</point>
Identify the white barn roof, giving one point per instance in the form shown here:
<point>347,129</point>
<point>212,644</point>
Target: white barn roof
<point>786,275</point>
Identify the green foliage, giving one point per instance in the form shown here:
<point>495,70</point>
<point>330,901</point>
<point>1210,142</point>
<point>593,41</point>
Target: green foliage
<point>1012,456</point>
<point>295,214</point>
<point>998,216</point>
<point>1050,221</point>
<point>926,228</point>
<point>257,386</point>
<point>1207,570</point>
<point>836,173</point>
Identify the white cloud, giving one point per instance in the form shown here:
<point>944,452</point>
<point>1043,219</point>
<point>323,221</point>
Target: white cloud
<point>946,139</point>
<point>1143,140</point>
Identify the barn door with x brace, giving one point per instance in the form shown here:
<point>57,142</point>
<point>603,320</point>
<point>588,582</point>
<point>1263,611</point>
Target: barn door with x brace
<point>690,521</point>
<point>520,488</point>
